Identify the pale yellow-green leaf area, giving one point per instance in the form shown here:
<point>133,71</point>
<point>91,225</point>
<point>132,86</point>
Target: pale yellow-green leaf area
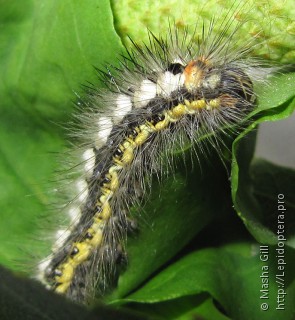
<point>268,24</point>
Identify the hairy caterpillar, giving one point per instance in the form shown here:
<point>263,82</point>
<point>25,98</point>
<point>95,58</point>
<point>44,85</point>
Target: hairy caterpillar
<point>164,96</point>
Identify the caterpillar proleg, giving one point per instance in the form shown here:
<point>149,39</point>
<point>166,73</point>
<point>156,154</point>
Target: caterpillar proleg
<point>164,96</point>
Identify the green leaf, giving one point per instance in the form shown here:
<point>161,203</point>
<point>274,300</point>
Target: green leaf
<point>48,49</point>
<point>231,274</point>
<point>178,209</point>
<point>269,181</point>
<point>276,103</point>
<point>185,308</point>
<point>270,23</point>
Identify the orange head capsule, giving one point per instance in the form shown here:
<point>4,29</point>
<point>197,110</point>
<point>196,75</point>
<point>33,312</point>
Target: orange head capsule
<point>195,72</point>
